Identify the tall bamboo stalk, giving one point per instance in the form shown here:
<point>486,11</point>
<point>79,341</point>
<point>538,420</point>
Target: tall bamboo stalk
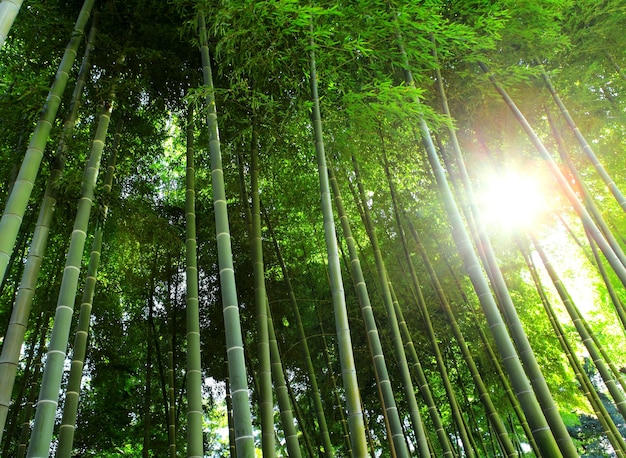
<point>53,370</point>
<point>79,350</point>
<point>22,188</point>
<point>526,354</point>
<point>266,403</point>
<point>195,415</point>
<point>378,357</point>
<point>348,369</point>
<point>8,12</point>
<point>396,337</point>
<point>33,383</point>
<point>415,365</point>
<point>234,340</point>
<point>586,386</point>
<point>492,414</point>
<point>327,450</point>
<point>583,331</point>
<point>605,247</point>
<point>282,393</point>
<point>23,301</point>
<point>515,370</point>
<point>621,200</point>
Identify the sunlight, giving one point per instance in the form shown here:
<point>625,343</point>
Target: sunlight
<point>512,201</point>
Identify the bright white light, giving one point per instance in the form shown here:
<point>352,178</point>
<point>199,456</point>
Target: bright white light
<point>512,201</point>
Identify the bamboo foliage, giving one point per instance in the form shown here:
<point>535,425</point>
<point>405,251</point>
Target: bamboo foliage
<point>591,155</point>
<point>234,341</point>
<point>18,198</point>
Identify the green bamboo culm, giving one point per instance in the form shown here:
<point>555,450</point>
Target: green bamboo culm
<point>525,351</point>
<point>8,12</point>
<point>394,327</point>
<point>234,341</point>
<point>304,348</point>
<point>79,350</point>
<point>617,193</point>
<point>611,256</point>
<point>583,331</point>
<point>541,430</point>
<point>586,386</point>
<point>346,357</point>
<point>282,393</point>
<point>14,337</point>
<point>378,357</point>
<point>23,186</point>
<point>494,417</point>
<point>266,404</point>
<point>194,364</point>
<point>41,437</point>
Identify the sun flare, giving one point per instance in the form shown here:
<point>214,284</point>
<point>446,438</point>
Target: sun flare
<point>512,201</point>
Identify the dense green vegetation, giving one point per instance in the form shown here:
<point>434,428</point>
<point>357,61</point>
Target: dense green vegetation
<point>282,228</point>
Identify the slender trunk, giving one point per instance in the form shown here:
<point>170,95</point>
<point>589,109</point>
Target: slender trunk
<point>72,391</point>
<point>617,302</point>
<point>232,442</point>
<point>533,371</point>
<point>194,365</point>
<point>171,366</point>
<point>515,370</point>
<point>584,144</point>
<point>33,384</point>
<point>344,341</point>
<point>583,331</point>
<point>492,414</point>
<point>8,12</point>
<point>20,193</point>
<point>517,408</point>
<point>586,196</point>
<point>21,308</point>
<point>466,437</point>
<point>234,341</point>
<point>147,415</point>
<point>266,403</point>
<point>396,337</point>
<point>300,416</point>
<point>380,367</point>
<point>26,376</point>
<point>333,385</point>
<point>282,394</point>
<point>304,346</point>
<point>53,370</point>
<point>586,219</point>
<point>418,372</point>
<point>586,386</point>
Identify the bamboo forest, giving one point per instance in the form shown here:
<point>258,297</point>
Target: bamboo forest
<point>286,228</point>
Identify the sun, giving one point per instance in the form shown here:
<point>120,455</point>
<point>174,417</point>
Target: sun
<point>512,201</point>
